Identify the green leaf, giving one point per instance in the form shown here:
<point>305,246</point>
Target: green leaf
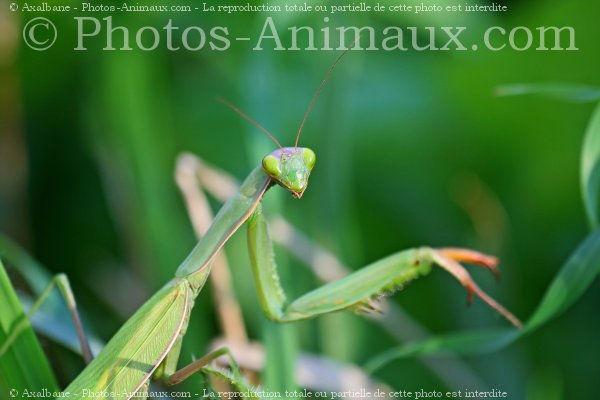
<point>36,275</point>
<point>560,91</point>
<point>457,343</point>
<point>590,168</point>
<point>53,320</point>
<point>569,284</point>
<point>23,364</point>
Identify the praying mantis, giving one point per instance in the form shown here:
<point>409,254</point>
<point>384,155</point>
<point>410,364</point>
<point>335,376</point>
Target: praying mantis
<point>148,345</point>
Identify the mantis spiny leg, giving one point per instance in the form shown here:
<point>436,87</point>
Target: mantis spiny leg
<point>202,365</point>
<point>358,290</point>
<point>195,366</point>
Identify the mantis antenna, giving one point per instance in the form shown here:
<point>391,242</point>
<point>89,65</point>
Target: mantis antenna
<point>253,122</point>
<point>310,106</point>
<point>319,90</point>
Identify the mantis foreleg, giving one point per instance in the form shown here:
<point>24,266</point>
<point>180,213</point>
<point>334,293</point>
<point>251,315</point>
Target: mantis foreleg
<point>358,290</point>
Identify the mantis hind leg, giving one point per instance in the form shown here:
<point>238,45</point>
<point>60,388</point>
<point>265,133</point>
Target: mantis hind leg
<point>203,366</point>
<point>357,290</point>
<point>61,282</point>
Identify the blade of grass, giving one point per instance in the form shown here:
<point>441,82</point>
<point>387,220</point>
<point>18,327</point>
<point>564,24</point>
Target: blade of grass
<point>560,91</point>
<point>569,284</point>
<point>37,276</point>
<point>590,168</point>
<point>53,319</point>
<point>23,366</point>
<point>280,340</point>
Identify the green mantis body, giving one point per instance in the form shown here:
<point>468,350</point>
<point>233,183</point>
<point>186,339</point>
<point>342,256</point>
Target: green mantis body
<point>149,343</point>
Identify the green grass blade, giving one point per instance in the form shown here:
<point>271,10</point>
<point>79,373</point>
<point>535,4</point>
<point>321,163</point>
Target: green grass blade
<point>36,275</point>
<point>23,365</point>
<point>569,284</point>
<point>53,319</point>
<point>590,168</point>
<point>281,350</point>
<point>560,91</point>
<point>457,343</point>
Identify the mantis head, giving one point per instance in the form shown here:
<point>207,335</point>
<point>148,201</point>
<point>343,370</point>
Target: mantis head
<point>290,167</point>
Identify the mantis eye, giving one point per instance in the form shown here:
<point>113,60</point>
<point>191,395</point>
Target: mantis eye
<point>272,165</point>
<point>309,158</point>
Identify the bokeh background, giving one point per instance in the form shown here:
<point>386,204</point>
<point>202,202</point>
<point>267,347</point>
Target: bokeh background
<point>413,148</point>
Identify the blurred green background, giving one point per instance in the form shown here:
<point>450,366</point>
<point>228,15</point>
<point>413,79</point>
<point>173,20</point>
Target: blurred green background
<point>413,148</point>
